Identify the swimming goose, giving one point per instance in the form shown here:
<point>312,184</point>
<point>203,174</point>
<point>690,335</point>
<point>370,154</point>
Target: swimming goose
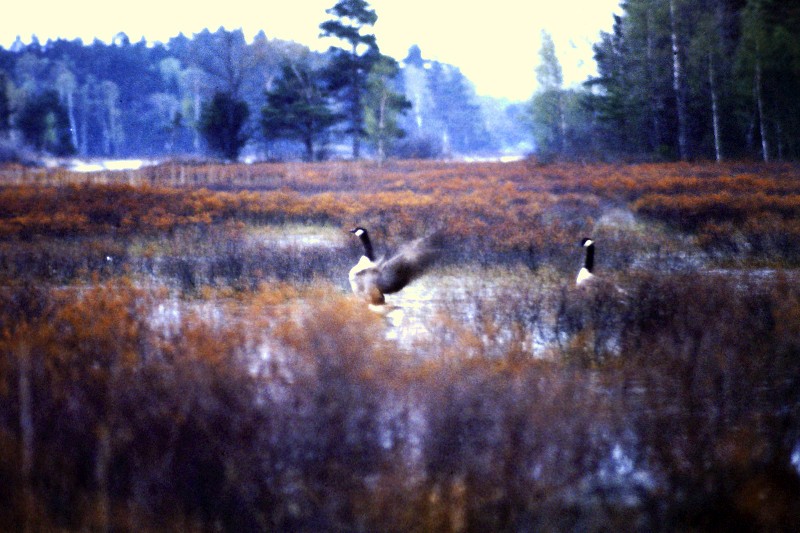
<point>585,275</point>
<point>371,278</point>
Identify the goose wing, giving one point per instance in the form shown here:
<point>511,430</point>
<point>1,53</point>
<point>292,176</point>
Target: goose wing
<point>407,264</point>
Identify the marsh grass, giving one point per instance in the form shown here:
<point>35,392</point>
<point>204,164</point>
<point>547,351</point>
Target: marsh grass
<point>217,375</point>
<point>288,407</point>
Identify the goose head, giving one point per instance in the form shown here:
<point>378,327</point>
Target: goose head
<point>363,235</point>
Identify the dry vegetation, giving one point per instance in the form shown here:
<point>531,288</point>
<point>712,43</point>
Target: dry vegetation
<point>178,352</point>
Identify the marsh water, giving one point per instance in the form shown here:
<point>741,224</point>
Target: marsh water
<point>497,309</point>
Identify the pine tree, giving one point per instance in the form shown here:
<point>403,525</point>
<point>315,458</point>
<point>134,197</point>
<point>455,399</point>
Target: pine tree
<point>349,68</point>
<point>298,108</point>
<point>769,75</point>
<point>612,97</point>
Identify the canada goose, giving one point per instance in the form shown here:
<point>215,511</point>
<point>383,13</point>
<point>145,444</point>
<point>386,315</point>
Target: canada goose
<point>585,275</point>
<point>371,278</point>
<point>587,278</point>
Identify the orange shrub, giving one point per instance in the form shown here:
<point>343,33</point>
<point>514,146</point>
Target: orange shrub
<point>499,207</point>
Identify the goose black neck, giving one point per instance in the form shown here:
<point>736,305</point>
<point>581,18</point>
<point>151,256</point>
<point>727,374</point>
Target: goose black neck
<point>367,246</point>
<point>589,262</point>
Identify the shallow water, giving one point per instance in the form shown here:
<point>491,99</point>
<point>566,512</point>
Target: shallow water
<point>437,308</point>
<point>464,300</point>
<point>78,165</point>
<point>299,236</point>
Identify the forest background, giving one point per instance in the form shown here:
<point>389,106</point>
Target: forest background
<point>678,79</point>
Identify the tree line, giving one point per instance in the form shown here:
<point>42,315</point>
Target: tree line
<point>677,79</point>
<point>218,94</point>
<point>680,79</point>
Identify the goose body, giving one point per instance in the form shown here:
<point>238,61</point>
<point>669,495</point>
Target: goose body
<point>371,278</point>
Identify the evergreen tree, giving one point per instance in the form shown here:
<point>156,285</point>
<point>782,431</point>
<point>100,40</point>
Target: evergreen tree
<point>701,78</point>
<point>611,101</point>
<point>349,68</point>
<point>636,104</point>
<point>44,124</point>
<point>769,76</point>
<point>645,105</point>
<point>5,106</point>
<point>298,108</point>
<point>706,58</point>
<point>222,124</point>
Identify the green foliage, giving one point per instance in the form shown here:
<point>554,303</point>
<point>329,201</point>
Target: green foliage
<point>44,124</point>
<point>5,105</point>
<point>383,103</point>
<point>561,119</point>
<point>351,16</point>
<point>768,60</point>
<point>139,99</point>
<point>223,125</point>
<point>299,107</point>
<point>349,67</point>
<point>636,103</point>
<point>738,79</point>
<point>548,122</point>
<point>548,104</point>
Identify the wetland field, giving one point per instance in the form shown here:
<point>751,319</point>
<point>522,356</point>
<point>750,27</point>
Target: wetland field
<point>180,351</point>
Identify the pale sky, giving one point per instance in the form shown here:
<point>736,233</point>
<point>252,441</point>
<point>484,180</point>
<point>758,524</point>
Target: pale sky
<point>495,44</point>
